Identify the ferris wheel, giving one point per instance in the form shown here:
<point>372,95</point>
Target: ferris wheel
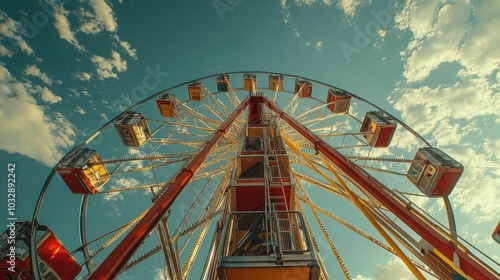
<point>249,175</point>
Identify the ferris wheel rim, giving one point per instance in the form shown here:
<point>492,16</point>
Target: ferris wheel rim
<point>149,98</point>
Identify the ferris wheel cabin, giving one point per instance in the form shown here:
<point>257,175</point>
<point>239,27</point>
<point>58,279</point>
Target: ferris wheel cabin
<point>223,83</point>
<point>496,234</point>
<point>276,83</point>
<point>167,105</point>
<point>338,101</point>
<point>133,129</point>
<point>434,172</point>
<point>195,91</point>
<point>379,127</point>
<point>54,261</point>
<point>249,81</point>
<point>82,172</point>
<point>303,88</point>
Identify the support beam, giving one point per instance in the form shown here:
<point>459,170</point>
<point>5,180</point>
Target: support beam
<point>468,263</point>
<point>118,258</point>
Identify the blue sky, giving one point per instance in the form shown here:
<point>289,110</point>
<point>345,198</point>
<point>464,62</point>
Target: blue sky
<point>68,67</point>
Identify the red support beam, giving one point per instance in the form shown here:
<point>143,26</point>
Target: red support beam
<point>469,264</point>
<point>118,258</point>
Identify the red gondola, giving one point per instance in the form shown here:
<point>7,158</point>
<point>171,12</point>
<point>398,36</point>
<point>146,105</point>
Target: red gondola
<point>54,261</point>
<point>249,81</point>
<point>276,82</point>
<point>339,101</point>
<point>167,105</point>
<point>496,233</point>
<point>195,91</point>
<point>82,172</point>
<point>303,88</point>
<point>434,172</point>
<point>381,128</point>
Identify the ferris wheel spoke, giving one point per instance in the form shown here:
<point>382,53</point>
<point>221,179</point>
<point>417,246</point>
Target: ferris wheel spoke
<point>144,168</point>
<point>196,205</point>
<point>325,233</point>
<point>373,221</point>
<point>308,112</point>
<point>196,115</point>
<point>323,271</point>
<point>115,237</point>
<point>322,185</point>
<point>233,97</point>
<point>186,269</point>
<point>228,112</point>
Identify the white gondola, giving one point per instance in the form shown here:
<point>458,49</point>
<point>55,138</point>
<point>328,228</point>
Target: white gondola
<point>133,129</point>
<point>434,172</point>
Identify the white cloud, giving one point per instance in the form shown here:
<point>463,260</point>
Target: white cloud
<point>80,110</point>
<point>431,110</point>
<point>5,51</point>
<point>127,47</point>
<point>63,26</point>
<point>491,147</point>
<point>33,70</point>
<point>160,275</point>
<point>82,76</point>
<point>47,95</point>
<point>394,269</point>
<point>382,33</point>
<point>105,67</point>
<point>477,193</point>
<point>306,2</point>
<point>285,10</point>
<point>318,46</point>
<point>451,32</point>
<point>118,184</point>
<point>361,277</point>
<point>349,7</point>
<point>104,14</point>
<point>30,129</point>
<point>12,31</point>
<point>102,19</point>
